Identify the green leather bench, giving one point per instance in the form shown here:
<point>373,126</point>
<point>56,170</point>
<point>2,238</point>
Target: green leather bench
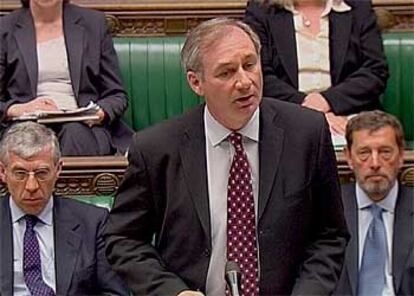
<point>158,90</point>
<point>153,78</point>
<point>399,95</point>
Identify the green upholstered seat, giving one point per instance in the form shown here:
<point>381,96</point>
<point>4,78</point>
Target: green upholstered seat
<point>153,78</point>
<point>104,201</point>
<point>158,90</point>
<point>399,95</point>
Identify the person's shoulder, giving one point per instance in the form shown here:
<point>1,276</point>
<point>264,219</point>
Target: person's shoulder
<point>9,20</point>
<point>82,209</point>
<point>291,113</point>
<point>169,130</point>
<point>406,190</point>
<point>360,6</point>
<point>88,14</point>
<point>261,9</point>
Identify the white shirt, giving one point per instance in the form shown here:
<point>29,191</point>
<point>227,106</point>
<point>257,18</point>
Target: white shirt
<point>219,157</point>
<point>54,78</point>
<point>45,236</point>
<point>364,220</point>
<point>313,51</point>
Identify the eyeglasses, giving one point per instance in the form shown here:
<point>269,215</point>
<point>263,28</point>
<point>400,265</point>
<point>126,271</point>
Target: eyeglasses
<point>41,175</point>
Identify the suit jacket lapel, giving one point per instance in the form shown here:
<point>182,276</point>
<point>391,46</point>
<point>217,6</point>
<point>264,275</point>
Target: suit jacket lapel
<point>67,243</point>
<point>351,214</point>
<point>270,151</point>
<point>282,28</point>
<point>340,31</point>
<point>403,229</point>
<point>74,35</point>
<point>26,40</point>
<point>193,156</point>
<point>6,248</point>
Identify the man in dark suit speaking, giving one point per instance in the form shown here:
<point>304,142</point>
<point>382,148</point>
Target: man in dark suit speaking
<point>48,245</point>
<point>240,179</point>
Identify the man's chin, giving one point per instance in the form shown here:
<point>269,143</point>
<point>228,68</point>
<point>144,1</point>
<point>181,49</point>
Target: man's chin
<point>377,190</point>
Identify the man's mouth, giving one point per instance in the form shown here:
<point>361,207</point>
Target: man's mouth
<point>245,100</point>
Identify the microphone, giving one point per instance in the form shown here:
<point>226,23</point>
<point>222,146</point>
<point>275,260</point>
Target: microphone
<point>233,277</point>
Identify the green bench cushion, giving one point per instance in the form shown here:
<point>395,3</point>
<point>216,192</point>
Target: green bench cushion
<point>399,95</point>
<point>158,90</point>
<point>105,201</point>
<point>153,78</point>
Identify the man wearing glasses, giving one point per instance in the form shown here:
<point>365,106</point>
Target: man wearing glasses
<point>48,245</point>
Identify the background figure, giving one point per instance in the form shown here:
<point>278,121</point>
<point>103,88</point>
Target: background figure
<point>378,210</point>
<point>49,245</point>
<point>325,55</point>
<point>238,179</point>
<point>55,55</point>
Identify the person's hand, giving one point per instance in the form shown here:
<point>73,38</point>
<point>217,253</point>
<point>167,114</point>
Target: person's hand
<point>190,293</point>
<point>317,102</point>
<point>101,116</point>
<point>38,104</point>
<point>337,124</point>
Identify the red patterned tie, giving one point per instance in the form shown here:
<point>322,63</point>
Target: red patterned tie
<point>241,228</point>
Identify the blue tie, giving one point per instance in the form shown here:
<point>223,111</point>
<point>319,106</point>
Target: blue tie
<point>32,268</point>
<point>372,273</point>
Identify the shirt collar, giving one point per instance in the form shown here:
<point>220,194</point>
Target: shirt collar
<point>388,203</point>
<point>46,215</point>
<point>335,5</point>
<point>217,133</point>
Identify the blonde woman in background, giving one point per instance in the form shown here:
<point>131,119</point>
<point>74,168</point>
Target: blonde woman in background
<point>58,56</point>
<point>326,55</point>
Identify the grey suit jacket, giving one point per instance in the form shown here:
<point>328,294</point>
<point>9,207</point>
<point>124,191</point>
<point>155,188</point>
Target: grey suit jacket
<point>357,62</point>
<point>301,230</point>
<point>403,243</point>
<point>81,266</point>
<point>93,65</point>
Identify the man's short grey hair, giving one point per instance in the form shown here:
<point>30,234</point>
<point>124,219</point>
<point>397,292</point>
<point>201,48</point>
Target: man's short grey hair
<point>28,139</point>
<point>202,37</point>
<point>373,121</point>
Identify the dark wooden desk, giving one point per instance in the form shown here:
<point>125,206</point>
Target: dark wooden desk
<point>92,176</point>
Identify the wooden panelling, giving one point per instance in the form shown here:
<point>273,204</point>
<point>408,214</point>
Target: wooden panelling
<point>171,17</point>
<point>95,176</point>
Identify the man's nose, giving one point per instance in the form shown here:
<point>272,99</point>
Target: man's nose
<point>243,80</point>
<point>31,183</point>
<point>375,161</point>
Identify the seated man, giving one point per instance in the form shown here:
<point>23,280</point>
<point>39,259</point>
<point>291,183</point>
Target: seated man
<point>49,245</point>
<point>379,210</point>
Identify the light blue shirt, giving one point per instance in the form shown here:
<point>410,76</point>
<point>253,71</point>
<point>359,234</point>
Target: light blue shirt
<point>219,157</point>
<point>365,218</point>
<point>45,236</point>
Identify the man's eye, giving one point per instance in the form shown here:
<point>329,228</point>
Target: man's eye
<point>224,74</point>
<point>20,174</point>
<point>363,155</point>
<point>249,66</point>
<point>42,174</point>
<point>386,153</point>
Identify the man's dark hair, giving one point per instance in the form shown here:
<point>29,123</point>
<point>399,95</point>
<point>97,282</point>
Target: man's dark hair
<point>373,121</point>
<point>26,3</point>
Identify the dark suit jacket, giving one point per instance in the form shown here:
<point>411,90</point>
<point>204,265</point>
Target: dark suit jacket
<point>81,266</point>
<point>403,243</point>
<point>93,65</point>
<point>358,66</point>
<point>301,230</point>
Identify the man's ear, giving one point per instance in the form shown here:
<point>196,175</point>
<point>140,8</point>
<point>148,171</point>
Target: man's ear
<point>347,153</point>
<point>59,167</point>
<point>2,172</point>
<point>195,83</point>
